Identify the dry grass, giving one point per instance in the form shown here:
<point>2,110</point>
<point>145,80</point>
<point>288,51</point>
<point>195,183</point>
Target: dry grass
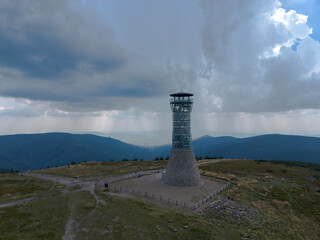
<point>14,187</point>
<point>44,218</point>
<point>287,199</point>
<point>286,196</point>
<point>94,169</point>
<point>131,219</point>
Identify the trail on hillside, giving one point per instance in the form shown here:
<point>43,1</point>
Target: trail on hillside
<point>25,200</point>
<point>20,201</point>
<point>218,160</point>
<point>71,225</point>
<point>88,184</point>
<point>69,233</point>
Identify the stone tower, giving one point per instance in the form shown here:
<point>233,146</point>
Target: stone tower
<point>182,170</point>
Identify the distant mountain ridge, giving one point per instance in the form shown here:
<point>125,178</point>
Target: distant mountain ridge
<point>266,147</point>
<point>34,151</point>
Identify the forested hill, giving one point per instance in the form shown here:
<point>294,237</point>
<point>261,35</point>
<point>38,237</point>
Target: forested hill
<point>266,147</point>
<point>34,151</point>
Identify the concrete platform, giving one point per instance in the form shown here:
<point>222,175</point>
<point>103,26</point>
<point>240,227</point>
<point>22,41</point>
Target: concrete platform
<point>152,186</point>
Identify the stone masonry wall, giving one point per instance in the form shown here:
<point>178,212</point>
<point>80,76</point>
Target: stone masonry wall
<point>182,169</point>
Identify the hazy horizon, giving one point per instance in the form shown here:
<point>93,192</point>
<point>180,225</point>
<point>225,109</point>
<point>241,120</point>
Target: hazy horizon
<point>149,139</point>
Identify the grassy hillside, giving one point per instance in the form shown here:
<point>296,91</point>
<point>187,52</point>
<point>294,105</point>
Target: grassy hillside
<point>94,169</point>
<point>271,201</point>
<point>286,195</point>
<point>14,187</point>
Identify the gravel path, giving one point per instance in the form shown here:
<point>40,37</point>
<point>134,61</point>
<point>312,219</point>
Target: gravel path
<point>69,233</point>
<point>218,160</point>
<point>21,201</point>
<point>88,184</point>
<point>69,182</point>
<point>24,200</point>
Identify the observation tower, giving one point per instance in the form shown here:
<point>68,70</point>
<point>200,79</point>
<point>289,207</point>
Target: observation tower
<point>182,169</point>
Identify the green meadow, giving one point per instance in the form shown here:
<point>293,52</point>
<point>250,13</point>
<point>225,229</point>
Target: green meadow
<point>286,197</point>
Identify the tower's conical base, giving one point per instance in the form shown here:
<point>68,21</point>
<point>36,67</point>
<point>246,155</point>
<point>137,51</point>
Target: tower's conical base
<point>182,169</point>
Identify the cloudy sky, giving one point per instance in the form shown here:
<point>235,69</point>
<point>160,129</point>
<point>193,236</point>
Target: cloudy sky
<point>108,66</point>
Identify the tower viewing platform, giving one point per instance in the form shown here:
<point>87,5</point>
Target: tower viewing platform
<point>181,107</point>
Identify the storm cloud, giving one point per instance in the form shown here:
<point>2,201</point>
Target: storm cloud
<point>58,51</point>
<point>109,66</point>
<point>260,57</point>
<point>48,38</point>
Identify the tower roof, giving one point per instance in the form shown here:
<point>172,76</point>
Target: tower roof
<point>181,94</point>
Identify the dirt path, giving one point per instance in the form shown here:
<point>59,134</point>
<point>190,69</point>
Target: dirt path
<point>69,182</point>
<point>71,226</point>
<point>69,233</point>
<point>21,201</point>
<point>89,184</point>
<point>218,160</point>
<point>24,200</point>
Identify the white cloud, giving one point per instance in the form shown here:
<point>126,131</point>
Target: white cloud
<point>252,66</point>
<point>295,24</point>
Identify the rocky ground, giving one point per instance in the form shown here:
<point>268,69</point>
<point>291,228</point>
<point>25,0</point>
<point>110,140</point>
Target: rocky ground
<point>233,212</point>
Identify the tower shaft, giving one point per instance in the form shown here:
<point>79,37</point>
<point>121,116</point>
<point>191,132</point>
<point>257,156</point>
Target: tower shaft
<point>182,169</point>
